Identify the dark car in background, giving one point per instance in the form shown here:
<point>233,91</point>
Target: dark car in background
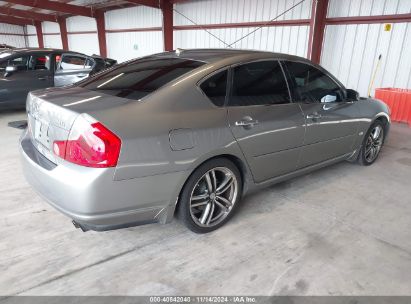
<point>24,70</point>
<point>4,46</point>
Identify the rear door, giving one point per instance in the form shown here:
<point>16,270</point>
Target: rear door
<point>72,68</point>
<point>331,119</point>
<point>267,126</point>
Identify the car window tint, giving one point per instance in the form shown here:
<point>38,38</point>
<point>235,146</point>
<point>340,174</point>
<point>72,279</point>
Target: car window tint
<point>259,83</point>
<point>19,62</point>
<point>39,62</point>
<point>136,79</point>
<point>312,85</point>
<point>89,63</point>
<point>215,88</point>
<point>72,62</point>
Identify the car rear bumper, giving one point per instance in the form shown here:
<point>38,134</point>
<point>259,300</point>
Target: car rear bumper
<point>93,199</point>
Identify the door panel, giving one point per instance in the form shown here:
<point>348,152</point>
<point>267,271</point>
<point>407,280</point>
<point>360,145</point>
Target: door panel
<point>272,146</point>
<point>268,128</point>
<point>332,134</point>
<point>36,74</point>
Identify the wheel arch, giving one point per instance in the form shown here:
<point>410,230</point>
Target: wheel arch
<point>241,165</point>
<point>385,120</point>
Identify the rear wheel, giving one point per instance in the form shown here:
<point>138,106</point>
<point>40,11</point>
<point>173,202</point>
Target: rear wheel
<point>210,196</point>
<point>372,144</point>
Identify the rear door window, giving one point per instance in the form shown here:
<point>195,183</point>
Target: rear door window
<point>259,83</point>
<point>39,62</point>
<point>136,79</point>
<point>72,62</point>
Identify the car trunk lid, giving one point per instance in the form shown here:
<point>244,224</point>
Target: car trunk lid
<point>52,112</point>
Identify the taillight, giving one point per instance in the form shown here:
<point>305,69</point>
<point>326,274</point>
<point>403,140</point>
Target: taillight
<point>89,144</point>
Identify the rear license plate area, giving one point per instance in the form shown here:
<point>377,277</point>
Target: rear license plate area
<point>41,133</point>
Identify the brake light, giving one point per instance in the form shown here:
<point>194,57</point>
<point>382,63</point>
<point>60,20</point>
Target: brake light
<point>89,145</point>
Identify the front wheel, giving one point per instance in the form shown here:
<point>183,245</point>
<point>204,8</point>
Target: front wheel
<point>210,196</point>
<point>372,144</point>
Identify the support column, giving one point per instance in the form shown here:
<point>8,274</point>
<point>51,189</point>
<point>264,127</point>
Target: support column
<point>101,32</point>
<point>167,10</point>
<point>39,32</point>
<point>63,33</point>
<point>317,28</point>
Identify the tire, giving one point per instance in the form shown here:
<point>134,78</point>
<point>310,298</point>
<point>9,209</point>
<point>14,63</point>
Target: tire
<point>366,156</point>
<point>205,205</point>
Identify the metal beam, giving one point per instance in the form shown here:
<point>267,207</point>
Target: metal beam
<point>370,19</point>
<point>56,6</point>
<point>63,33</point>
<point>150,3</point>
<point>16,21</point>
<point>167,10</point>
<point>293,22</point>
<point>39,32</point>
<point>317,28</point>
<point>101,33</point>
<point>26,14</point>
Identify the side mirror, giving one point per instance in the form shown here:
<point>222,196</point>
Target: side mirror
<point>10,70</point>
<point>353,95</point>
<point>328,98</point>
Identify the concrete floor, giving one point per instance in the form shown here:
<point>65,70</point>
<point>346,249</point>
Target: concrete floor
<point>343,230</point>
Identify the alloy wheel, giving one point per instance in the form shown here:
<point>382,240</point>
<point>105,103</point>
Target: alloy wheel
<point>213,197</point>
<point>374,143</point>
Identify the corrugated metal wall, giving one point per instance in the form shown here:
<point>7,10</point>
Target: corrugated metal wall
<point>51,35</point>
<point>286,39</point>
<point>350,52</point>
<point>12,35</point>
<point>32,36</point>
<point>79,41</point>
<point>129,43</point>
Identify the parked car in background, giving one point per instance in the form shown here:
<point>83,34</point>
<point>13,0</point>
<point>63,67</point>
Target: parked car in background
<point>104,63</point>
<point>4,46</point>
<point>24,70</point>
<point>190,131</point>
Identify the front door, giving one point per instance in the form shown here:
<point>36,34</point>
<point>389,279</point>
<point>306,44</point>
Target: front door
<point>267,126</point>
<point>32,72</point>
<point>331,119</point>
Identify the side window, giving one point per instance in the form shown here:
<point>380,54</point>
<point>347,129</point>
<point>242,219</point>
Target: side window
<point>72,62</point>
<point>259,83</point>
<point>19,62</point>
<point>89,63</point>
<point>215,88</point>
<point>312,85</point>
<point>39,62</point>
<point>57,60</point>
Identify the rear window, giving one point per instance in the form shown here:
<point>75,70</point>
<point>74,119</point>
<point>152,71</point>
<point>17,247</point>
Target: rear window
<point>136,79</point>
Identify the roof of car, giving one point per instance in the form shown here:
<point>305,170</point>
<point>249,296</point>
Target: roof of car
<point>213,55</point>
<point>35,50</point>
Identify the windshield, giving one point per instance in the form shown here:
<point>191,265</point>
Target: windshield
<point>136,79</point>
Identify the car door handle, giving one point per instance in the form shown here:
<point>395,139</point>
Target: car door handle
<point>246,123</point>
<point>313,116</point>
<point>42,78</point>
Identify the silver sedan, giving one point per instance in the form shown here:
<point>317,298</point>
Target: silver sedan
<point>189,133</point>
